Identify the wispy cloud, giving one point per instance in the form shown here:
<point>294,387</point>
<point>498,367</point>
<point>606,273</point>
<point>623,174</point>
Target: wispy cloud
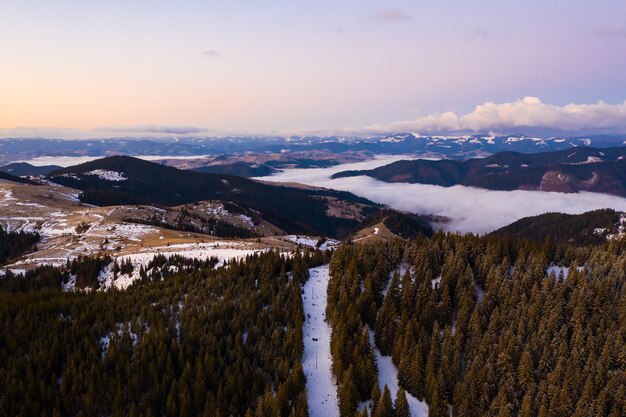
<point>339,29</point>
<point>44,132</point>
<point>155,129</point>
<point>477,33</point>
<point>612,32</point>
<point>101,132</point>
<point>391,15</point>
<point>211,53</point>
<point>525,115</point>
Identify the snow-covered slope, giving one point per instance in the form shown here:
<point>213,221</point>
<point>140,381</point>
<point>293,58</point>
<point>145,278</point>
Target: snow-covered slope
<point>222,250</point>
<point>388,375</point>
<point>320,385</point>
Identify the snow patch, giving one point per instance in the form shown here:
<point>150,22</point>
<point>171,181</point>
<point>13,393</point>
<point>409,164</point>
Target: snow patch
<point>108,175</point>
<point>436,282</point>
<point>590,160</point>
<point>246,219</point>
<point>311,242</point>
<point>561,269</point>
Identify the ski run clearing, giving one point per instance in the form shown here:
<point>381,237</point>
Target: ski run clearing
<point>317,362</point>
<point>388,375</point>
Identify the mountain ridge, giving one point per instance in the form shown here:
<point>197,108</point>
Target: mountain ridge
<point>569,170</point>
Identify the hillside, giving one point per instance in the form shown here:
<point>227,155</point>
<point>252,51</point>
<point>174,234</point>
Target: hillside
<point>477,325</point>
<point>8,177</point>
<point>571,170</point>
<point>125,180</point>
<point>592,227</point>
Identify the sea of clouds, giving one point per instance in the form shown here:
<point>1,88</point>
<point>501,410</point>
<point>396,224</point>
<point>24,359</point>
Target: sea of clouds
<point>469,209</point>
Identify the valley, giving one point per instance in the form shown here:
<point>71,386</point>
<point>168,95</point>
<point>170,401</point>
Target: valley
<point>454,208</point>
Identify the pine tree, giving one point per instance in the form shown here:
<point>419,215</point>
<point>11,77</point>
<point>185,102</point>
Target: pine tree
<point>348,399</point>
<point>401,404</point>
<point>385,405</point>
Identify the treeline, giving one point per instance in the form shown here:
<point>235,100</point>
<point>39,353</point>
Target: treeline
<point>86,270</point>
<point>14,244</point>
<point>202,341</point>
<point>477,326</point>
<point>190,222</point>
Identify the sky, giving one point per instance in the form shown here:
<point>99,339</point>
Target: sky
<point>86,68</point>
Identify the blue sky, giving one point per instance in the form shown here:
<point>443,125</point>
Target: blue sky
<point>301,66</point>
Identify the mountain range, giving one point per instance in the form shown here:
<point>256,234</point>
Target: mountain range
<point>14,149</point>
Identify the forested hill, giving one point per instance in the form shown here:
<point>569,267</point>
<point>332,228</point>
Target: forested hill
<point>570,170</point>
<point>22,169</point>
<point>592,227</point>
<point>126,180</point>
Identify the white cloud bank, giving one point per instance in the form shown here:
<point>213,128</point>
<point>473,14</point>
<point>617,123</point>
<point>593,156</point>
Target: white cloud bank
<point>526,115</point>
<point>470,209</point>
<point>529,115</point>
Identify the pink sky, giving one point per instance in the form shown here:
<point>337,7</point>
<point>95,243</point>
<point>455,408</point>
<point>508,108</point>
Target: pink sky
<point>253,67</point>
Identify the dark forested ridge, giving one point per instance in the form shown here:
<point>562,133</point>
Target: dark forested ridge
<point>25,169</point>
<point>291,209</point>
<point>9,177</point>
<point>196,342</point>
<point>592,227</point>
<point>242,169</point>
<point>570,170</point>
<point>478,325</point>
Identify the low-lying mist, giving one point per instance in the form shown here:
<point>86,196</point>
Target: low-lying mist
<point>469,209</point>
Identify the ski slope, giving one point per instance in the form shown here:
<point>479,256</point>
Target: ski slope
<point>320,384</point>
